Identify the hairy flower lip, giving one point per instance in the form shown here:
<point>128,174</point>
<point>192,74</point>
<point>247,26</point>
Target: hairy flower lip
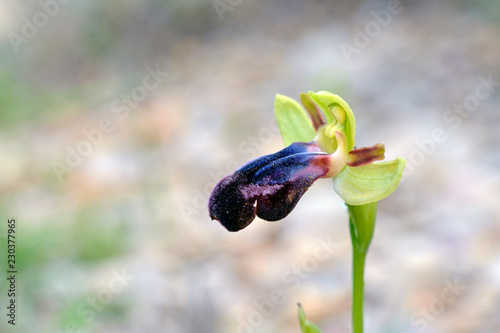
<point>295,148</point>
<point>269,186</point>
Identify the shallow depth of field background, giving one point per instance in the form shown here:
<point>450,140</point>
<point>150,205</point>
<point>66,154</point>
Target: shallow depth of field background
<point>135,204</point>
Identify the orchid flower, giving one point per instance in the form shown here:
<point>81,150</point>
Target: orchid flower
<point>319,140</point>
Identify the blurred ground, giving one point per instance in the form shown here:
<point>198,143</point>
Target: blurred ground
<point>163,98</point>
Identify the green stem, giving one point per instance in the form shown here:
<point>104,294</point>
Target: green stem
<point>362,225</point>
<point>358,269</point>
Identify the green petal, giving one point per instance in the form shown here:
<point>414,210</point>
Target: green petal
<point>335,108</point>
<point>305,325</point>
<point>294,124</point>
<point>313,110</point>
<point>369,183</point>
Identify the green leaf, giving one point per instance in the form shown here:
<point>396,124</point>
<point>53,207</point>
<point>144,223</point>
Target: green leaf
<point>362,219</point>
<point>369,183</point>
<point>336,109</point>
<point>305,325</point>
<point>294,124</point>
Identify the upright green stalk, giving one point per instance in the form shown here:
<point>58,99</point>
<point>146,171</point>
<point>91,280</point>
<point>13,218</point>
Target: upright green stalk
<point>362,225</point>
<point>358,268</point>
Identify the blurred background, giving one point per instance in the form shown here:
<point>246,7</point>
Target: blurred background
<point>117,118</point>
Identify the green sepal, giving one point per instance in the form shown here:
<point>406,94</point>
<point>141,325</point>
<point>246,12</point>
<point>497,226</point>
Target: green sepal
<point>369,183</point>
<point>306,326</point>
<point>293,121</point>
<point>336,110</point>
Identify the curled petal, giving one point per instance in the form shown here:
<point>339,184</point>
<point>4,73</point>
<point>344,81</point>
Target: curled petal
<point>313,111</point>
<point>365,155</point>
<point>337,113</point>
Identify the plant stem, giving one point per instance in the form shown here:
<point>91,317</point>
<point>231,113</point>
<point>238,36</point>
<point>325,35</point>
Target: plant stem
<point>358,269</point>
<point>362,226</point>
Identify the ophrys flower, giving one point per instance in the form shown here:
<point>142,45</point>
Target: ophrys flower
<point>320,144</point>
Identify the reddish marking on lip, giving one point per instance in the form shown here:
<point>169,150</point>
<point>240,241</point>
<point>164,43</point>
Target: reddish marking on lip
<point>366,155</point>
<point>321,162</point>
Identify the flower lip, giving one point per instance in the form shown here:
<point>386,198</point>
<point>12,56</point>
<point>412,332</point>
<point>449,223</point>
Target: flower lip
<point>269,186</point>
<point>294,148</point>
<point>228,205</point>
